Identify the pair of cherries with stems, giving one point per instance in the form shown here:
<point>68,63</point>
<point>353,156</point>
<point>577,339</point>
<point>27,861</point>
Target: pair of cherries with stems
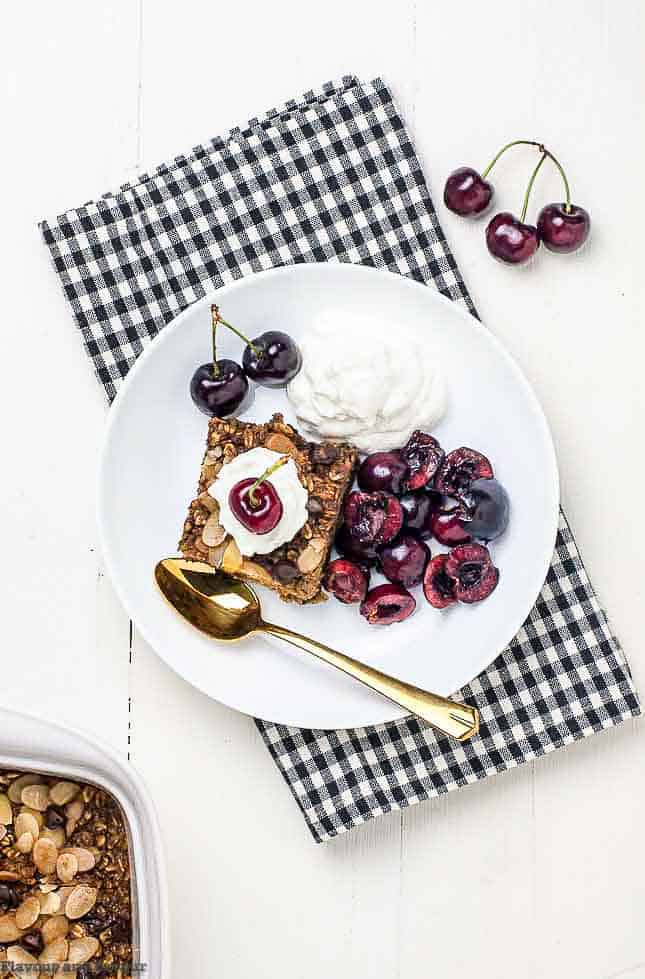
<point>561,227</point>
<point>221,387</point>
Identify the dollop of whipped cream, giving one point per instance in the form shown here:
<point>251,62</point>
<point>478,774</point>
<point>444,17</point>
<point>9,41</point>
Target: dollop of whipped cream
<point>368,387</point>
<point>285,480</point>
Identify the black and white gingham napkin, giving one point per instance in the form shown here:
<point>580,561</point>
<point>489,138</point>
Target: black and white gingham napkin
<point>334,177</point>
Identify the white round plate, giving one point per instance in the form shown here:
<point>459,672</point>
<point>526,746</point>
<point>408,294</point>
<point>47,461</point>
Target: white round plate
<point>150,466</point>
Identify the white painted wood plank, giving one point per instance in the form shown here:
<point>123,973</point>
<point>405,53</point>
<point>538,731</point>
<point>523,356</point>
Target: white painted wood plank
<point>215,66</point>
<point>69,120</point>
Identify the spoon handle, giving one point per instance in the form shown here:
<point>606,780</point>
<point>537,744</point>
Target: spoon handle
<point>457,720</point>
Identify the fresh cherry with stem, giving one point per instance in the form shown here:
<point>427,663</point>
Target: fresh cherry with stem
<point>563,227</point>
<point>272,359</point>
<point>467,192</point>
<point>510,240</point>
<point>255,502</point>
<point>220,387</point>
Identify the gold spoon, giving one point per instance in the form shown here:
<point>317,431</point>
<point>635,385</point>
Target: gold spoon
<point>229,610</point>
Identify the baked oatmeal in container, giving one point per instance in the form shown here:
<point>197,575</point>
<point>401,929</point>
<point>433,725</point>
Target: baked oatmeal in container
<point>82,891</point>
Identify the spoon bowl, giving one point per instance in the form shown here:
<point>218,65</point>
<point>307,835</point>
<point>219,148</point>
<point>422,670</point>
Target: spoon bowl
<point>229,610</point>
<point>224,608</point>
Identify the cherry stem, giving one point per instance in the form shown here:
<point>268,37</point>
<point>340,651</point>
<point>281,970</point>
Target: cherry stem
<point>557,163</point>
<point>542,148</point>
<point>253,500</point>
<point>214,322</point>
<point>516,142</point>
<point>530,186</point>
<point>215,313</point>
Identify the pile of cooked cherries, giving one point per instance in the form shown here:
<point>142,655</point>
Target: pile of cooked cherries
<point>221,386</point>
<point>405,498</point>
<point>561,227</point>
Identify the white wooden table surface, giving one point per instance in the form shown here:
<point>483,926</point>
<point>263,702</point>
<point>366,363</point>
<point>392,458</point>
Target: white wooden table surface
<point>538,873</point>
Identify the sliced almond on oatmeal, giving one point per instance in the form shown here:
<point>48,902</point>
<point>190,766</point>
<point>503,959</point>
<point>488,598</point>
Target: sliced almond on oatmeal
<point>280,443</point>
<point>6,812</point>
<point>209,502</point>
<point>75,809</point>
<point>28,913</point>
<point>216,554</point>
<point>50,903</point>
<point>86,859</point>
<point>232,559</point>
<point>213,533</point>
<point>53,928</point>
<point>19,956</point>
<point>48,888</point>
<point>63,792</point>
<point>80,901</point>
<point>25,823</point>
<point>82,950</point>
<point>25,843</point>
<point>319,544</point>
<point>38,816</point>
<point>36,797</point>
<point>9,930</point>
<point>309,559</point>
<point>3,832</point>
<point>45,855</point>
<point>57,836</point>
<point>66,867</point>
<point>56,951</point>
<point>20,783</point>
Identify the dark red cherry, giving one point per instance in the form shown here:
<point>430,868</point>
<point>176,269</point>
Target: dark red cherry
<point>373,518</point>
<point>259,512</point>
<point>423,456</point>
<point>563,230</point>
<point>447,527</point>
<point>418,510</point>
<point>386,604</point>
<point>354,549</point>
<point>404,559</point>
<point>460,469</point>
<point>473,571</point>
<point>510,240</point>
<point>219,394</point>
<point>346,580</point>
<point>272,359</point>
<point>438,587</point>
<point>486,510</point>
<point>382,471</point>
<point>466,192</point>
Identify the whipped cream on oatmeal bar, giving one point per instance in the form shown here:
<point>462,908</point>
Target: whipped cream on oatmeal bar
<point>369,389</point>
<point>285,480</point>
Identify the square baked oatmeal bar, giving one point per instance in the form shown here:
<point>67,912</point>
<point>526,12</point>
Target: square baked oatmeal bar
<point>295,568</point>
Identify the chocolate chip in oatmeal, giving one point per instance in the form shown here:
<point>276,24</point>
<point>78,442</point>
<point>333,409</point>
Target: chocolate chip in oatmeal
<point>8,897</point>
<point>324,454</point>
<point>54,817</point>
<point>285,571</point>
<point>33,942</point>
<point>314,507</point>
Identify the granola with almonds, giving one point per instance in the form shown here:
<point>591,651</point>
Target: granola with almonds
<point>65,883</point>
<point>294,569</point>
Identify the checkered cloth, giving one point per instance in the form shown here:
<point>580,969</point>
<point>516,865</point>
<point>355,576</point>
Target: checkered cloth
<point>334,177</point>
